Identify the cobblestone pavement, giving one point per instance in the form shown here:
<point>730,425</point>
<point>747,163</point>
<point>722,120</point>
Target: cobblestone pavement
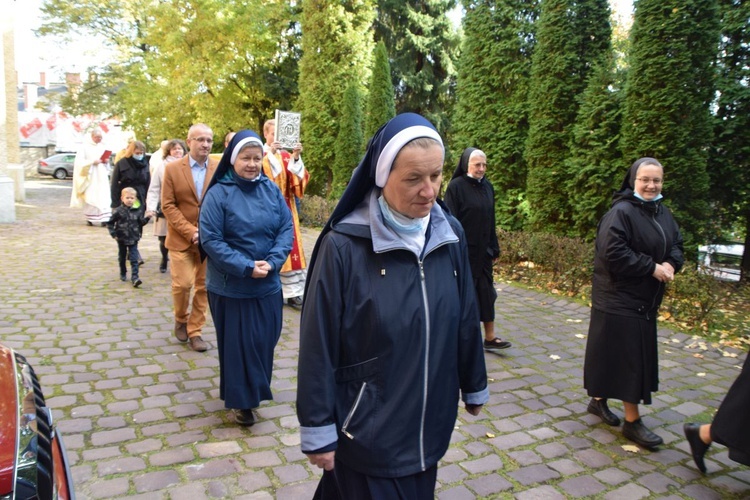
<point>141,418</point>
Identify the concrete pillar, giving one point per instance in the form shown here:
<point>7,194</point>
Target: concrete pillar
<point>7,210</point>
<point>9,139</point>
<point>17,174</point>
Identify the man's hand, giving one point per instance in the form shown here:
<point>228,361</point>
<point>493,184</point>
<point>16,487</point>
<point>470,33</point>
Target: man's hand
<point>297,150</point>
<point>323,460</point>
<point>195,238</point>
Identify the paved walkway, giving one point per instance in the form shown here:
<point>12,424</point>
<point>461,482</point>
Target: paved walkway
<point>141,417</point>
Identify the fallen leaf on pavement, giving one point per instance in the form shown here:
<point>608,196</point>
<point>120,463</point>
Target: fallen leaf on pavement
<point>554,356</point>
<point>701,374</point>
<point>580,336</point>
<point>490,435</point>
<point>631,448</point>
<point>698,355</point>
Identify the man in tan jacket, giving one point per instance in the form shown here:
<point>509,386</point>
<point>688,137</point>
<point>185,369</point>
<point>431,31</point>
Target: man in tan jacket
<point>184,184</point>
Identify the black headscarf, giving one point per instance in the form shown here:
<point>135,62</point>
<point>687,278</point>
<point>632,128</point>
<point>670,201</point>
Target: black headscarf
<point>463,164</point>
<point>629,181</point>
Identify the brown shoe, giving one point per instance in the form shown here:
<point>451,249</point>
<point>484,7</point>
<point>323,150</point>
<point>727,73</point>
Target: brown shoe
<point>180,331</point>
<point>197,344</point>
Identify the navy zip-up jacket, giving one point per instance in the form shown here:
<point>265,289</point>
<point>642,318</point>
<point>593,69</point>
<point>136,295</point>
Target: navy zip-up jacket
<point>388,339</point>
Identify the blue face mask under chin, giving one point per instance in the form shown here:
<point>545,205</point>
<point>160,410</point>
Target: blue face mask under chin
<point>138,157</point>
<point>391,219</point>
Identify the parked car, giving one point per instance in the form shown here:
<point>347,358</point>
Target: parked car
<point>33,461</point>
<point>721,261</point>
<point>58,166</point>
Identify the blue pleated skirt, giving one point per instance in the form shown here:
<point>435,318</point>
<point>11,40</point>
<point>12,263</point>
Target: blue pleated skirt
<point>247,331</point>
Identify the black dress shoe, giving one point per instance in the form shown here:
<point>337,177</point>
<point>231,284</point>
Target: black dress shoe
<point>295,302</point>
<point>244,417</point>
<point>599,408</point>
<point>697,446</point>
<point>640,434</point>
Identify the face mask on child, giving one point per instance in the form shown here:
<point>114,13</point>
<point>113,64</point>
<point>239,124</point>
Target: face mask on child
<point>138,157</point>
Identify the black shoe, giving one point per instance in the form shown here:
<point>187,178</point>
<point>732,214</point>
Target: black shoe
<point>244,417</point>
<point>137,282</point>
<point>697,446</point>
<point>599,408</point>
<point>640,434</point>
<point>496,343</point>
<point>163,267</point>
<point>89,223</point>
<point>123,277</point>
<point>140,262</point>
<point>295,302</point>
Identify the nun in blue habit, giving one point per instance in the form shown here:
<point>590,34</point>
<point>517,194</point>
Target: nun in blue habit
<point>390,336</point>
<point>246,233</point>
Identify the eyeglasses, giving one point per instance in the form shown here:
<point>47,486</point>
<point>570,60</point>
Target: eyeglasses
<point>648,180</point>
<point>202,139</point>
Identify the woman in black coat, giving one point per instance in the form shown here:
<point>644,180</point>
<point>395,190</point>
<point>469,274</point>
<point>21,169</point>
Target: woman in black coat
<point>471,199</point>
<point>638,250</point>
<point>131,171</point>
<point>729,426</point>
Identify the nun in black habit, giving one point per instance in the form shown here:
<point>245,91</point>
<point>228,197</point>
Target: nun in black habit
<point>729,427</point>
<point>638,250</point>
<point>471,199</point>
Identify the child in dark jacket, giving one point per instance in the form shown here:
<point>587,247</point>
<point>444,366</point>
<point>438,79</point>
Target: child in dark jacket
<point>125,226</point>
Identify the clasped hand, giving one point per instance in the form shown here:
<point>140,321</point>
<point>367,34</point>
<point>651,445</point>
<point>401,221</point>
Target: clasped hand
<point>664,272</point>
<point>261,269</point>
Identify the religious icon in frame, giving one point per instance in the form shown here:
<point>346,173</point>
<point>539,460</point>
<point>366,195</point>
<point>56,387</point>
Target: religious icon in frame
<point>287,128</point>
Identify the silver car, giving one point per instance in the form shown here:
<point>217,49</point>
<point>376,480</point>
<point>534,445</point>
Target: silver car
<point>58,166</point>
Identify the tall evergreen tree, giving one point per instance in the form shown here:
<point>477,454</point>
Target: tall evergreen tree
<point>571,37</point>
<point>381,106</point>
<point>729,161</point>
<point>422,43</point>
<point>336,50</point>
<point>668,95</point>
<point>492,86</point>
<point>595,165</point>
<point>350,142</point>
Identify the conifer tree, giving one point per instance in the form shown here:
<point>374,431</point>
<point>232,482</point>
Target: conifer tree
<point>668,95</point>
<point>729,162</point>
<point>422,44</point>
<point>571,37</point>
<point>492,86</point>
<point>380,103</point>
<point>350,143</point>
<point>336,50</point>
<point>595,166</point>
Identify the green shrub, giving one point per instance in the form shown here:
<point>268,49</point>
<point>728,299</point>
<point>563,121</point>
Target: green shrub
<point>548,261</point>
<point>314,211</point>
<point>695,299</point>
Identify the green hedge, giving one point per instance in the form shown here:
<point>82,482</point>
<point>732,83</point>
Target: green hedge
<point>694,301</point>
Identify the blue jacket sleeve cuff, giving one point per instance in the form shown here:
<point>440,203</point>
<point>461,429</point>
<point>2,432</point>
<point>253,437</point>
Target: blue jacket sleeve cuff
<point>315,438</point>
<point>477,398</point>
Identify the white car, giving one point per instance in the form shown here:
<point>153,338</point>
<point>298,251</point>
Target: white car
<point>721,261</point>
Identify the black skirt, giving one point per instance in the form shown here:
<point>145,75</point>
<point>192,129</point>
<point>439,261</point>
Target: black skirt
<point>486,293</point>
<point>344,483</point>
<point>621,358</point>
<point>730,425</point>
